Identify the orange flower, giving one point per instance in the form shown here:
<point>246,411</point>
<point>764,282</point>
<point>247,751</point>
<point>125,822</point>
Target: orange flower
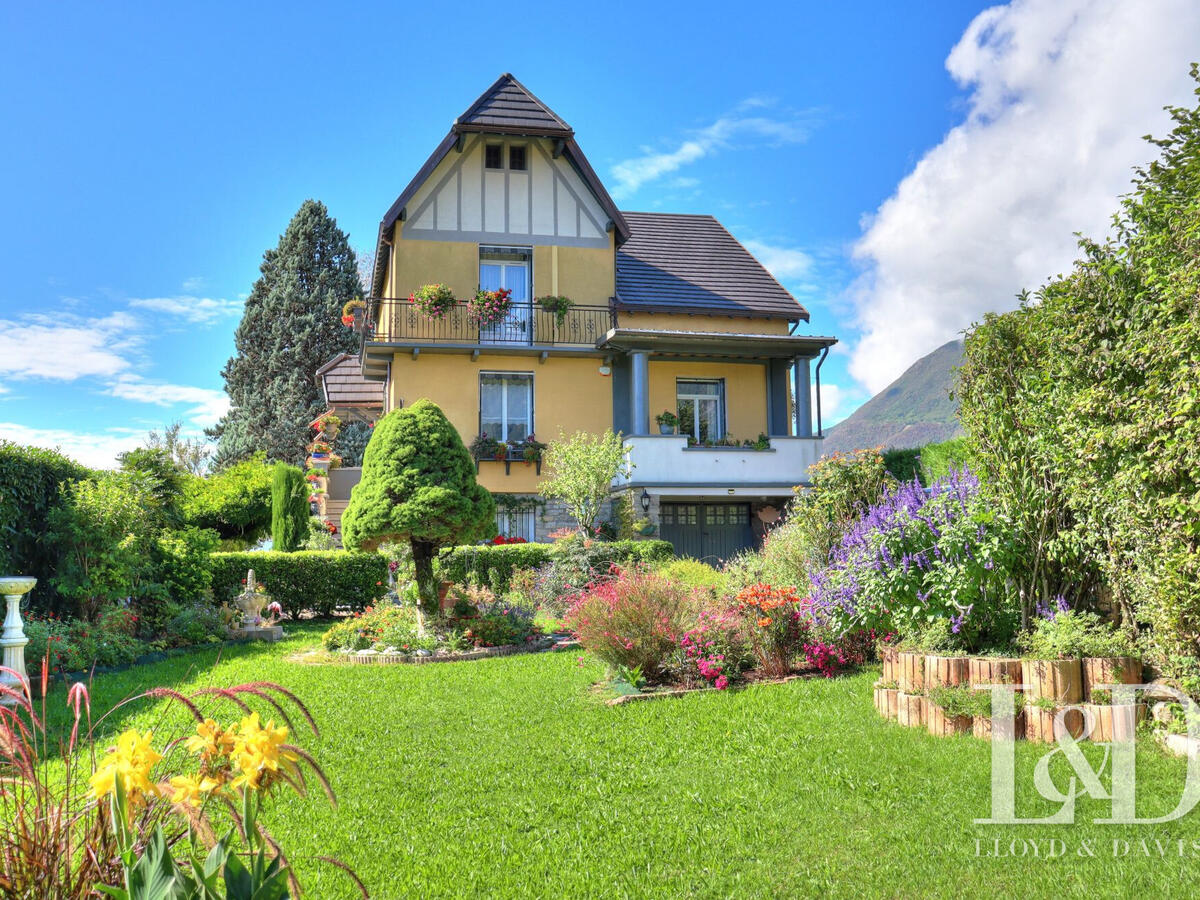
<point>763,623</point>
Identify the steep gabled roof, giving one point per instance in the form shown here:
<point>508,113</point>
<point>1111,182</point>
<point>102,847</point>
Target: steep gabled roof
<point>689,263</point>
<point>507,107</point>
<point>342,382</point>
<point>510,106</point>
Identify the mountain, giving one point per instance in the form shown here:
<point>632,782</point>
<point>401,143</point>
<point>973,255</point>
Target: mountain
<point>914,409</point>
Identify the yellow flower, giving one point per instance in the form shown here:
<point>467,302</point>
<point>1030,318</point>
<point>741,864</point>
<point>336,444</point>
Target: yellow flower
<point>210,741</point>
<point>259,751</point>
<point>189,788</point>
<point>130,761</point>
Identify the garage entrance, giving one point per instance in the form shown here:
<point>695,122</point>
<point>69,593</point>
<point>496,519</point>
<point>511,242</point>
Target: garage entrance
<point>713,532</point>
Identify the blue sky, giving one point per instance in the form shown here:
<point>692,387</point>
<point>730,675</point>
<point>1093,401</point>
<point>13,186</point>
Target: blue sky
<point>901,168</point>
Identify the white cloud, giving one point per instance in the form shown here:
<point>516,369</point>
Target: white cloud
<point>837,402</point>
<point>98,450</point>
<point>782,262</point>
<point>196,310</point>
<point>631,174</point>
<point>66,347</point>
<point>205,405</point>
<point>1061,92</point>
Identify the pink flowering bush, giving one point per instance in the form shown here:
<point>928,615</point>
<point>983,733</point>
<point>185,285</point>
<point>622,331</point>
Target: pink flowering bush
<point>633,619</point>
<point>712,651</point>
<point>832,655</point>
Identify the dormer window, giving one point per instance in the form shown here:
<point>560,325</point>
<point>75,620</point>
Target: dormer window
<point>516,159</point>
<point>493,156</point>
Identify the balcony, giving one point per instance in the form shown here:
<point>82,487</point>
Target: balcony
<point>666,461</point>
<point>398,322</point>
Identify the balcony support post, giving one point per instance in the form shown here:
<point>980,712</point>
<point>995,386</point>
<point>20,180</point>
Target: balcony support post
<point>804,423</point>
<point>639,391</point>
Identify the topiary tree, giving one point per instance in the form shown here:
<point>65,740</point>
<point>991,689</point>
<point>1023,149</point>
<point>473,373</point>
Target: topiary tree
<point>418,485</point>
<point>289,507</point>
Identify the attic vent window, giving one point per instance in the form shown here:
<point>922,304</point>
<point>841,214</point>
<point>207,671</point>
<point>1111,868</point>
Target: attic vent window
<point>516,159</point>
<point>493,156</point>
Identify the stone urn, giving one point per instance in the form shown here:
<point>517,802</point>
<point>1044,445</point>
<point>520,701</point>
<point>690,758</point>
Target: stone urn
<point>12,635</point>
<point>251,602</point>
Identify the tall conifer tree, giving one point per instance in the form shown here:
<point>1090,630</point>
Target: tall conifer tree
<point>290,328</point>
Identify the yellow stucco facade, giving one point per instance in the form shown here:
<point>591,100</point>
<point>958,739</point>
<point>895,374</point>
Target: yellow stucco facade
<point>693,322</point>
<point>745,391</point>
<point>569,394</point>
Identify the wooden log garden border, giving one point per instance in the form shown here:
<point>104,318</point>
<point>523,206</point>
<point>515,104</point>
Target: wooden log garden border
<point>1061,686</point>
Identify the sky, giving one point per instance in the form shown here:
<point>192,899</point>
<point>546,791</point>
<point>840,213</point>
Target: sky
<point>901,168</point>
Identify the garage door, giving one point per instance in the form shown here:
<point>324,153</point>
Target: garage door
<point>713,532</point>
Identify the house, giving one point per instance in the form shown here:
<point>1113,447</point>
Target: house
<point>666,312</point>
<point>353,399</point>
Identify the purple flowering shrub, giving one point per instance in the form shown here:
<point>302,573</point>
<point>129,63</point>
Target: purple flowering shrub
<point>918,557</point>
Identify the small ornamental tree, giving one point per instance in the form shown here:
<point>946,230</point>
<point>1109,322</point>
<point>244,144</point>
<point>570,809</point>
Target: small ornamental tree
<point>418,485</point>
<point>289,507</point>
<point>582,469</point>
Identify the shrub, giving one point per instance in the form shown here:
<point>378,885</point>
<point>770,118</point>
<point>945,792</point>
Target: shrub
<point>499,628</point>
<point>29,490</point>
<point>1072,633</point>
<point>712,651</point>
<point>843,487</point>
<point>577,561</point>
<point>695,575</point>
<point>77,645</point>
<point>311,581</point>
<point>635,620</point>
<point>101,530</point>
<point>289,507</point>
<point>774,623</point>
<point>235,502</point>
<point>199,623</point>
<point>387,625</point>
<point>581,470</point>
<point>913,558</point>
<point>831,654</point>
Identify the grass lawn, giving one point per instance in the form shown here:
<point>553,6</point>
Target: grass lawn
<point>507,777</point>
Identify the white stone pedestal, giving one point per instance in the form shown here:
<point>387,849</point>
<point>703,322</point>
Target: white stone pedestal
<point>270,633</point>
<point>12,635</point>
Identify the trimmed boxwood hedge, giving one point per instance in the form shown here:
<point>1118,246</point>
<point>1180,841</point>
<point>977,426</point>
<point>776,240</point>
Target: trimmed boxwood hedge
<point>464,564</point>
<point>316,581</point>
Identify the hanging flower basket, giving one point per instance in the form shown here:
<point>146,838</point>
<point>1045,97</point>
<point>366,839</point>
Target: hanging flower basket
<point>559,306</point>
<point>490,307</point>
<point>433,300</point>
<point>352,311</point>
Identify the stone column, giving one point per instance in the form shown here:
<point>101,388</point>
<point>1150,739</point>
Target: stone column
<point>12,636</point>
<point>639,390</point>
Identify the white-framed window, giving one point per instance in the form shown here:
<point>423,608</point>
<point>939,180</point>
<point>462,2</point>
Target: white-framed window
<point>701,408</point>
<point>520,524</point>
<point>510,268</point>
<point>506,406</point>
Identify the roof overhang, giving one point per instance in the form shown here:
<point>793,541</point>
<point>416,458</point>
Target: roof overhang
<point>714,344</point>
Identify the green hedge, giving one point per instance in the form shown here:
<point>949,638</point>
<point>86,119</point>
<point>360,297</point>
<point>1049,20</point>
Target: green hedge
<point>315,581</point>
<point>29,489</point>
<point>478,564</point>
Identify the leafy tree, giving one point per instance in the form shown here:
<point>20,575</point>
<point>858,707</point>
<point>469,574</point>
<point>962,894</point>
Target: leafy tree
<point>352,441</point>
<point>235,503</point>
<point>102,531</point>
<point>581,470</point>
<point>418,485</point>
<point>191,456</point>
<point>164,479</point>
<point>291,325</point>
<point>289,507</point>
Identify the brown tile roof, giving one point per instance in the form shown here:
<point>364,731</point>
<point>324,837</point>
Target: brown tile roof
<point>689,263</point>
<point>342,381</point>
<point>509,105</point>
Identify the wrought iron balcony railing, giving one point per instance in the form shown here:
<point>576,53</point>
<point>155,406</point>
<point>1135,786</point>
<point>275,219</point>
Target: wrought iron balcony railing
<point>397,320</point>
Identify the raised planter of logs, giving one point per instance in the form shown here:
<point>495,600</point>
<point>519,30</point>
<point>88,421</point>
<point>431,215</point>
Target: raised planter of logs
<point>1058,694</point>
